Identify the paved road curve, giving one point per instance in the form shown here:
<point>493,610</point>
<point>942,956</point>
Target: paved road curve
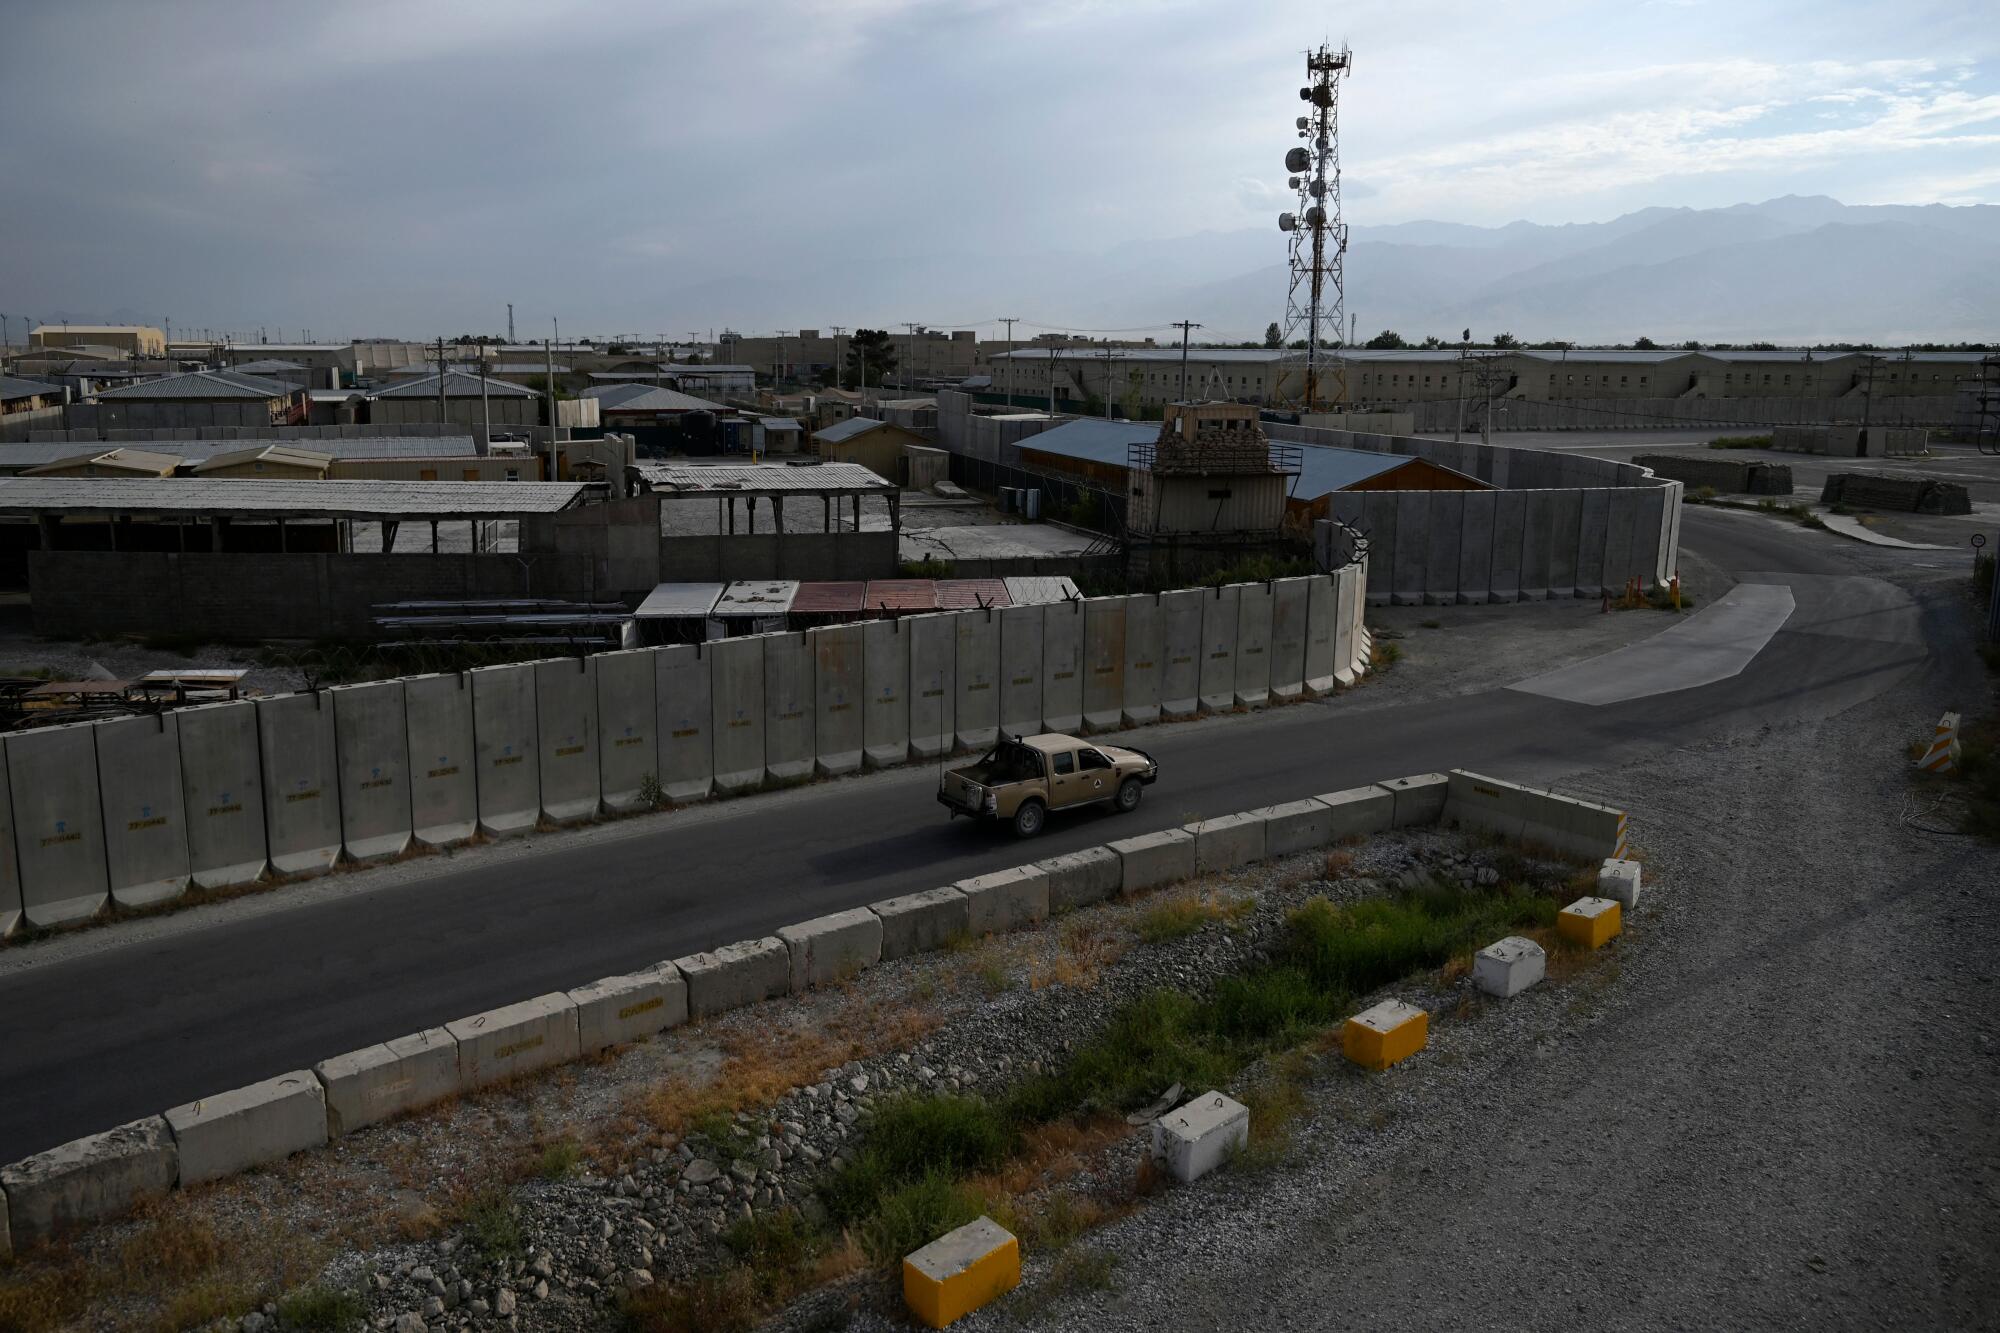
<point>97,1040</point>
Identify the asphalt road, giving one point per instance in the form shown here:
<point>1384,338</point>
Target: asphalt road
<point>99,1039</point>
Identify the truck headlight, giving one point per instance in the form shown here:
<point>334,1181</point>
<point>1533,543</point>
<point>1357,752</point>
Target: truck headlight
<point>992,803</point>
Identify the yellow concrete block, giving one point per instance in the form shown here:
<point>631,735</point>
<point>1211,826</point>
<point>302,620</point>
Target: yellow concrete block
<point>1379,1037</point>
<point>961,1271</point>
<point>1590,921</point>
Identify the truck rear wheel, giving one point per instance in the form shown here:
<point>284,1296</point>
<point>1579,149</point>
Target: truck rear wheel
<point>1128,795</point>
<point>1029,818</point>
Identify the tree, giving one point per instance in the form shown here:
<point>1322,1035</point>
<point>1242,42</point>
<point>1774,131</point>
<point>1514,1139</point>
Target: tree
<point>1432,340</point>
<point>1505,340</point>
<point>1691,345</point>
<point>871,354</point>
<point>1644,345</point>
<point>1387,339</point>
<point>1273,335</point>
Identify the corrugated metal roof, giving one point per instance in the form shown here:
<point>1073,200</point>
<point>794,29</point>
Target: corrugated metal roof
<point>460,384</point>
<point>676,601</point>
<point>266,366</point>
<point>11,389</point>
<point>901,595</point>
<point>963,594</point>
<point>768,597</point>
<point>1040,589</point>
<point>758,478</point>
<point>278,455</point>
<point>203,384</point>
<point>1323,470</point>
<point>230,495</point>
<point>362,446</point>
<point>1092,440</point>
<point>118,460</point>
<point>649,398</point>
<point>827,598</point>
<point>848,429</point>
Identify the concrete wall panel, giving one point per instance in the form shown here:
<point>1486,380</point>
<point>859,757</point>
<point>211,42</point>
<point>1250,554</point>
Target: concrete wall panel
<point>1621,525</point>
<point>1180,651</point>
<point>976,673</point>
<point>371,739</point>
<point>628,726</point>
<point>1322,628</point>
<point>1290,611</point>
<point>10,870</point>
<point>1254,614</point>
<point>444,769</point>
<point>789,746</point>
<point>1510,513</point>
<point>504,747</point>
<point>1021,670</point>
<point>736,682</point>
<point>1218,646</point>
<point>1145,658</point>
<point>1413,544</point>
<point>222,793</point>
<point>301,782</point>
<point>1564,529</point>
<point>1062,666</point>
<point>1537,541</point>
<point>1447,514</point>
<point>58,823</point>
<point>566,736</point>
<point>687,721</point>
<point>1475,548</point>
<point>840,694</point>
<point>145,830</point>
<point>1593,530</point>
<point>1382,511</point>
<point>885,679</point>
<point>1348,605</point>
<point>933,683</point>
<point>1104,663</point>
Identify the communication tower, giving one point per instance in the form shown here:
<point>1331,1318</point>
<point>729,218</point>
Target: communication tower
<point>1317,299</point>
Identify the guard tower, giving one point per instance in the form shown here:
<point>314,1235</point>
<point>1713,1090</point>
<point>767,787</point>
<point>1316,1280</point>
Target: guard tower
<point>1210,473</point>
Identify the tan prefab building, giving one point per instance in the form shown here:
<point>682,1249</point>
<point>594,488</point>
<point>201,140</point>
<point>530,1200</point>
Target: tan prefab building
<point>875,445</point>
<point>111,463</point>
<point>135,340</point>
<point>271,462</point>
<point>494,467</point>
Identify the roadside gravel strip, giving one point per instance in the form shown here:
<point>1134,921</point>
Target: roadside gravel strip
<point>1781,1114</point>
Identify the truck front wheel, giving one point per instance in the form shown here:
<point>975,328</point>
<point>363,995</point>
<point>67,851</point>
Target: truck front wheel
<point>1028,819</point>
<point>1128,795</point>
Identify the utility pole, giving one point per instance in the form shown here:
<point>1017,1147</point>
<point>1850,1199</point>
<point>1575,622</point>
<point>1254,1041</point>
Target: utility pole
<point>837,331</point>
<point>1052,381</point>
<point>1107,379</point>
<point>485,406</point>
<point>510,322</point>
<point>443,414</point>
<point>909,351</point>
<point>1464,342</point>
<point>1868,400</point>
<point>1185,326</point>
<point>549,366</point>
<point>1010,321</point>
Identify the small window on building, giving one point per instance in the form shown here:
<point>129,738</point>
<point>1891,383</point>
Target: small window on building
<point>427,474</point>
<point>1621,381</point>
<point>513,474</point>
<point>1767,379</point>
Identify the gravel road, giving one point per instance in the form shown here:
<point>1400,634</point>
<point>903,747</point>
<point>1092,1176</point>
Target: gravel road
<point>1780,1113</point>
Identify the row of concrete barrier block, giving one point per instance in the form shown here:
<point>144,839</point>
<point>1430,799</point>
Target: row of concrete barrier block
<point>104,1175</point>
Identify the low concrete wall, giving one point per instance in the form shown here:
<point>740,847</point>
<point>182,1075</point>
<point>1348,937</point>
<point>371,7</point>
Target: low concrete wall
<point>736,974</point>
<point>629,1008</point>
<point>515,1039</point>
<point>831,949</point>
<point>379,1082</point>
<point>102,1175</point>
<point>1904,494</point>
<point>265,1122</point>
<point>1738,476</point>
<point>920,922</point>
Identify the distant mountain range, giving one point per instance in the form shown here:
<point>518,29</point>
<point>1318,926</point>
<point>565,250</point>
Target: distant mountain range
<point>1788,270</point>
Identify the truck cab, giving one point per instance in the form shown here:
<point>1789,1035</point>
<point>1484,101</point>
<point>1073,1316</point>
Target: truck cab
<point>1022,779</point>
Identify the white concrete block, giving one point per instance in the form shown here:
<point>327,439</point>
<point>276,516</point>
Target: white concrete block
<point>920,922</point>
<point>1295,826</point>
<point>1006,899</point>
<point>1358,812</point>
<point>265,1122</point>
<point>1509,966</point>
<point>1619,880</point>
<point>1199,1137</point>
<point>515,1039</point>
<point>92,1179</point>
<point>1153,860</point>
<point>1227,842</point>
<point>736,974</point>
<point>1419,798</point>
<point>1081,878</point>
<point>628,1008</point>
<point>378,1082</point>
<point>831,949</point>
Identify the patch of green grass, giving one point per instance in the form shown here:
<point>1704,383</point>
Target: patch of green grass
<point>322,1310</point>
<point>559,1159</point>
<point>994,976</point>
<point>1385,655</point>
<point>1740,442</point>
<point>492,1223</point>
<point>717,1126</point>
<point>1076,1272</point>
<point>914,1214</point>
<point>915,1150</point>
<point>1176,920</point>
<point>1802,514</point>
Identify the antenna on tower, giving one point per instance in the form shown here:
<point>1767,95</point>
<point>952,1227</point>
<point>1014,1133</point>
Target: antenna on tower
<point>1318,239</point>
<point>510,323</point>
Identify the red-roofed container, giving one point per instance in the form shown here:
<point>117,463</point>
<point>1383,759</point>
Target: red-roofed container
<point>966,594</point>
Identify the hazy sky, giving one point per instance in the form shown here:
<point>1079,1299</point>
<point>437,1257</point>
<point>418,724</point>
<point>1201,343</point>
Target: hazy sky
<point>406,168</point>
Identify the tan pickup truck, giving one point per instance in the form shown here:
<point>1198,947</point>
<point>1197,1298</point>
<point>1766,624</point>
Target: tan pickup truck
<point>1021,779</point>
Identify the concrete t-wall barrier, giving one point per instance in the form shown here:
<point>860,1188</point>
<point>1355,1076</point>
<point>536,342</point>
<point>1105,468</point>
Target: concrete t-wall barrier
<point>301,782</point>
<point>58,823</point>
<point>628,722</point>
<point>683,693</point>
<point>885,675</point>
<point>1062,665</point>
<point>444,793</point>
<point>222,793</point>
<point>1103,663</point>
<point>736,692</point>
<point>1349,657</point>
<point>503,733</point>
<point>1181,619</point>
<point>1322,613</point>
<point>371,741</point>
<point>1145,658</point>
<point>145,833</point>
<point>933,683</point>
<point>1217,689</point>
<point>1290,607</point>
<point>839,697</point>
<point>976,675</point>
<point>789,745</point>
<point>10,873</point>
<point>1021,670</point>
<point>1252,682</point>
<point>566,737</point>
